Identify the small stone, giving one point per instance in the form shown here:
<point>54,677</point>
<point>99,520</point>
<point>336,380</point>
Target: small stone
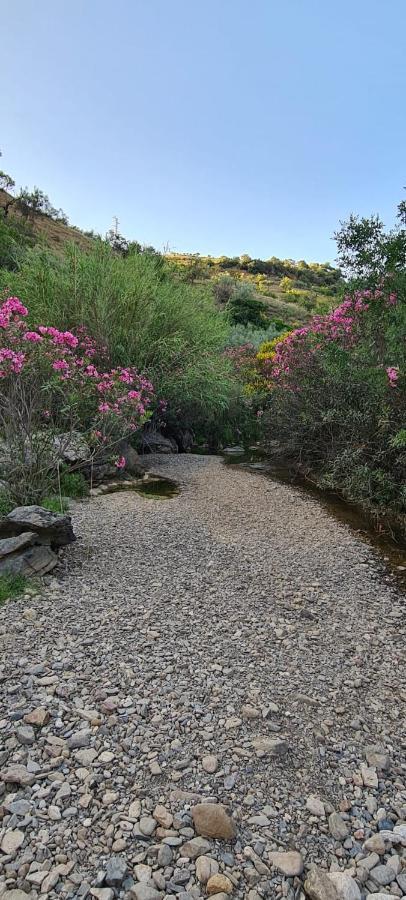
<point>378,896</point>
<point>134,811</point>
<point>145,892</point>
<point>289,863</point>
<point>86,757</point>
<point>155,769</point>
<point>116,871</point>
<point>25,735</point>
<point>271,746</point>
<point>250,712</point>
<point>377,760</point>
<point>211,820</point>
<point>375,844</point>
<point>143,873</point>
<point>102,893</point>
<point>316,807</point>
<point>195,848</point>
<point>346,887</point>
<point>383,875</point>
<point>337,826</point>
<point>79,739</point>
<point>218,884</point>
<point>109,797</point>
<point>54,813</point>
<point>17,775</point>
<point>206,867</point>
<point>318,885</point>
<point>210,764</point>
<point>165,855</point>
<point>232,722</point>
<point>163,816</point>
<point>147,825</point>
<point>12,841</point>
<point>15,894</point>
<point>369,776</point>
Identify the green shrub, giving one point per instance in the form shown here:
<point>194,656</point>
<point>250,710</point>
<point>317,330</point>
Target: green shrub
<point>73,484</point>
<point>55,503</point>
<point>11,586</point>
<point>244,308</point>
<point>6,503</point>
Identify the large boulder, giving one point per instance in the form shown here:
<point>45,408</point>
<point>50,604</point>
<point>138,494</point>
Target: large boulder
<point>152,441</point>
<point>50,528</point>
<point>72,448</point>
<point>24,555</point>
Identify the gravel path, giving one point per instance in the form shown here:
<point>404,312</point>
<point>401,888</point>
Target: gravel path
<point>233,644</point>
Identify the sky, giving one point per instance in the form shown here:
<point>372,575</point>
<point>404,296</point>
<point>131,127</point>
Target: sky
<point>211,126</point>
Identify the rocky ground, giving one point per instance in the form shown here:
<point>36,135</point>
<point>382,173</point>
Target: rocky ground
<point>208,699</point>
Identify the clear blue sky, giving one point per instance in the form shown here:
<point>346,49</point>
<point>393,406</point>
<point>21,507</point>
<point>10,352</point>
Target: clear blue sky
<point>218,126</point>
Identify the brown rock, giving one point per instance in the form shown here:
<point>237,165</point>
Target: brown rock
<point>219,884</point>
<point>319,887</point>
<point>38,717</point>
<point>211,820</point>
<point>17,774</point>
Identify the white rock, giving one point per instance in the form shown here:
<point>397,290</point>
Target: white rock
<point>316,807</point>
<point>12,841</point>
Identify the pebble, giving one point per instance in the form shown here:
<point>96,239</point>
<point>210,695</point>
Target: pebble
<point>289,863</point>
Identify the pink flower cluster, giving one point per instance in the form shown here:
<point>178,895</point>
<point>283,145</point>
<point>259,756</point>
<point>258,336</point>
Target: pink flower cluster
<point>117,401</point>
<point>393,375</point>
<point>341,324</point>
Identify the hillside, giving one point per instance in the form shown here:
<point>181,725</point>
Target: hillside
<point>46,230</point>
<point>291,290</point>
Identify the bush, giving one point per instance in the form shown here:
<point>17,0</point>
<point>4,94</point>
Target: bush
<point>142,315</point>
<point>244,308</point>
<point>11,586</point>
<point>50,390</point>
<point>73,484</point>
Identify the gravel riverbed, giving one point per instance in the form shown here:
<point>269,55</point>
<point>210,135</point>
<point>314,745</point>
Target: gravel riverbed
<point>232,646</point>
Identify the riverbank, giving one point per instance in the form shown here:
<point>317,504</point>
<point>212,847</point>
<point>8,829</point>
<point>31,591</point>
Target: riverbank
<point>233,643</point>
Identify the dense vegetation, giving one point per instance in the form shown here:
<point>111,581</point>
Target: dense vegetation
<point>307,358</point>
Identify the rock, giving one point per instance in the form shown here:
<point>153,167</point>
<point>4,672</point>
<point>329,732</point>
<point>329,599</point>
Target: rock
<point>165,855</point>
<point>232,722</point>
<point>143,873</point>
<point>378,896</point>
<point>211,820</point>
<point>218,884</point>
<point>163,816</point>
<point>145,892</point>
<point>290,863</point>
<point>133,464</point>
<point>250,712</point>
<point>383,875</point>
<point>205,868</point>
<point>147,825</point>
<point>337,826</point>
<point>318,885</point>
<point>152,441</point>
<point>369,776</point>
<point>195,848</point>
<point>116,870</point>
<point>134,810</point>
<point>17,774</point>
<point>102,893</point>
<point>50,528</point>
<point>271,746</point>
<point>25,735</point>
<point>316,807</point>
<point>32,560</point>
<point>86,757</point>
<point>375,844</point>
<point>12,841</point>
<point>72,447</point>
<point>377,759</point>
<point>210,764</point>
<point>346,887</point>
<point>37,717</point>
<point>79,739</point>
<point>15,894</point>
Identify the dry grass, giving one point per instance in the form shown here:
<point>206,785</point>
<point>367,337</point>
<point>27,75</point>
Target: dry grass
<point>53,234</point>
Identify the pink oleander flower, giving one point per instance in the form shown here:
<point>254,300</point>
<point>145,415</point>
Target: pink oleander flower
<point>104,407</point>
<point>60,365</point>
<point>32,336</point>
<point>393,375</point>
<point>133,395</point>
<point>120,462</point>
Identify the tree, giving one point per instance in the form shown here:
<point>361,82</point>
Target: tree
<point>244,308</point>
<point>366,251</point>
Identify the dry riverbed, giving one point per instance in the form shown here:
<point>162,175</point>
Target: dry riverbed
<point>233,644</point>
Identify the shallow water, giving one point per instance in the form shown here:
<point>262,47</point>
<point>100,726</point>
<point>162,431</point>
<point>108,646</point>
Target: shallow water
<point>153,487</point>
<point>390,552</point>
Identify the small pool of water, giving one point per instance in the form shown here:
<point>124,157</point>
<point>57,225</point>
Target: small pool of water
<point>391,553</point>
<point>152,487</point>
